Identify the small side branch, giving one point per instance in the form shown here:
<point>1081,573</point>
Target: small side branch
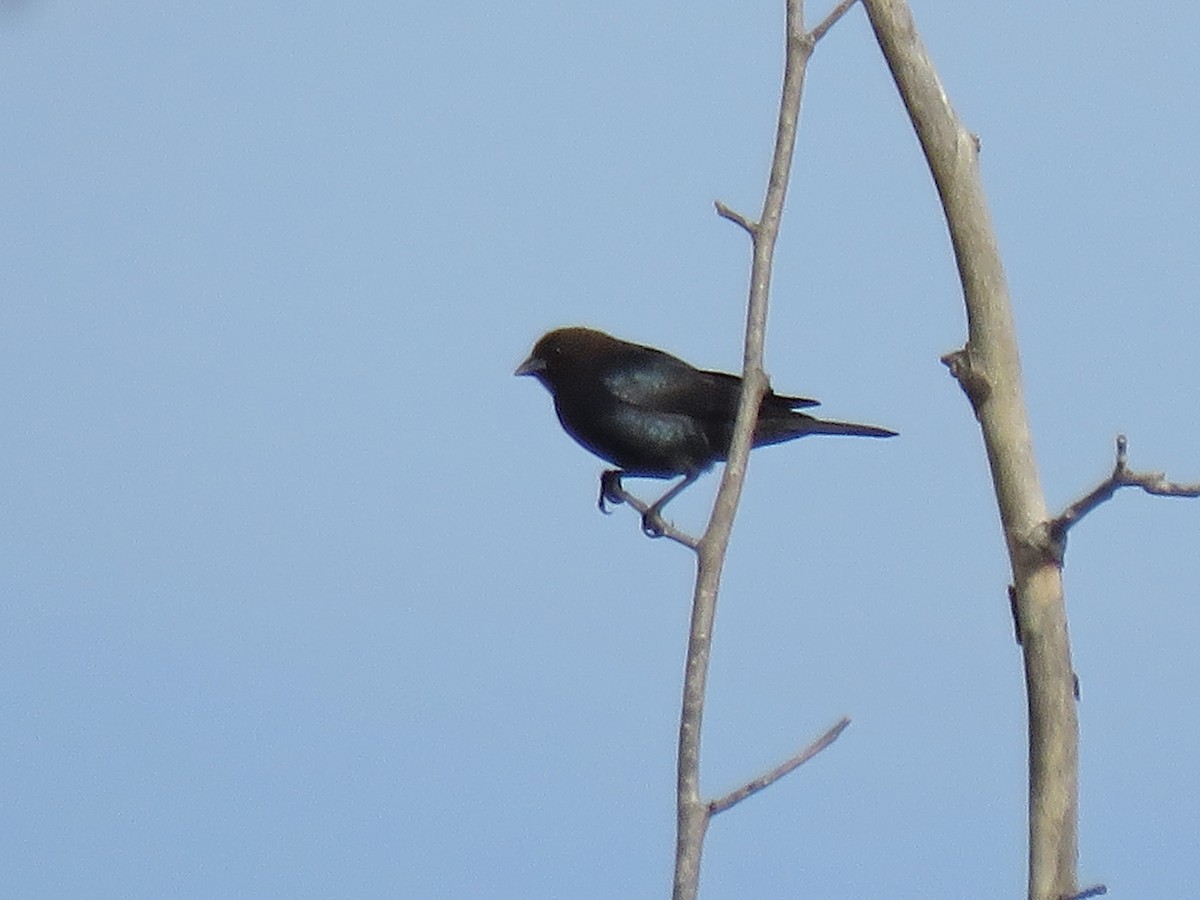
<point>612,491</point>
<point>1155,483</point>
<point>751,228</point>
<point>1097,890</point>
<point>830,20</point>
<point>974,383</point>
<point>750,788</point>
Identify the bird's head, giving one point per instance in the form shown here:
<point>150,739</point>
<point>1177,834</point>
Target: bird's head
<point>565,351</point>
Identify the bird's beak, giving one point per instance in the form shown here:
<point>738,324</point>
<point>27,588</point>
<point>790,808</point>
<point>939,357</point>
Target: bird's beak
<point>531,366</point>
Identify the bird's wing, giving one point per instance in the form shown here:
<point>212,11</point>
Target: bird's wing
<point>779,402</point>
<point>791,402</point>
<point>731,385</point>
<point>653,380</point>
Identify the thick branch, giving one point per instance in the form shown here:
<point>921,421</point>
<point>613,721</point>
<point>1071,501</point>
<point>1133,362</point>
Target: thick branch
<point>989,370</point>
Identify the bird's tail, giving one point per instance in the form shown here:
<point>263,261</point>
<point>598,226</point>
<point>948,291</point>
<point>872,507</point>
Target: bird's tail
<point>775,430</point>
<point>820,426</point>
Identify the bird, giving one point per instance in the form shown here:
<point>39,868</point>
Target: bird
<point>653,415</point>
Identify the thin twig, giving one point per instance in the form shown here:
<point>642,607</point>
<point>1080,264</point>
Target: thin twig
<point>1155,483</point>
<point>830,20</point>
<point>764,781</point>
<point>736,217</point>
<point>615,492</point>
<point>693,813</point>
<point>1096,890</point>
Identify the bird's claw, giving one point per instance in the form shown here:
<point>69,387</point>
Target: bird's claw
<point>653,525</point>
<point>611,490</point>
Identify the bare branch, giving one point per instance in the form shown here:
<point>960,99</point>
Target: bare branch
<point>1155,483</point>
<point>693,813</point>
<point>764,781</point>
<point>830,20</point>
<point>613,491</point>
<point>1096,890</point>
<point>736,217</point>
<point>989,370</point>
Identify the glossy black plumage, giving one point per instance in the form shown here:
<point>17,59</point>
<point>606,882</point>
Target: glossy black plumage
<point>652,414</point>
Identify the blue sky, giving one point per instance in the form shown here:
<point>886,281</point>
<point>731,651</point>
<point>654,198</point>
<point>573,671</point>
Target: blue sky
<point>304,595</point>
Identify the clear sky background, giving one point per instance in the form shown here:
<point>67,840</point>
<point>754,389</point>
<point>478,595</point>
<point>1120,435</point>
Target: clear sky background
<point>303,595</point>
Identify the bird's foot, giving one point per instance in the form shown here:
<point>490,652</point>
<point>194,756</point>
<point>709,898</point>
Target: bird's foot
<point>611,490</point>
<point>653,524</point>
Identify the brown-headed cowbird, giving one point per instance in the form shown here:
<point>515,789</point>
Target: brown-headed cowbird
<point>651,414</point>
